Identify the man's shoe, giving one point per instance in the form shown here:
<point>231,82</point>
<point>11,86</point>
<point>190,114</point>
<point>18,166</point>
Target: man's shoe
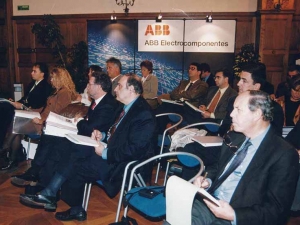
<point>39,201</point>
<point>23,179</point>
<point>67,216</point>
<point>9,165</point>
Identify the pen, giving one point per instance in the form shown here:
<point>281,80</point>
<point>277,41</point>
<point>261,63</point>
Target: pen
<point>204,177</point>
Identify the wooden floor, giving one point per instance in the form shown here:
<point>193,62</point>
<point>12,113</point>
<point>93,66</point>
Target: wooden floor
<point>101,211</point>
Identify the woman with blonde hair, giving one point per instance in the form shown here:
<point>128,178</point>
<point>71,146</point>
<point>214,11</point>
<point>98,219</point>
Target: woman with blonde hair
<point>64,93</point>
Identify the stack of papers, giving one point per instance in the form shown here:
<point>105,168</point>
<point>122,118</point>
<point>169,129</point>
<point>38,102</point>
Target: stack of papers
<point>57,125</point>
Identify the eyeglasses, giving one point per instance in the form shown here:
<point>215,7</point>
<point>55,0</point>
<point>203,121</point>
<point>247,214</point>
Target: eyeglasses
<point>227,141</point>
<point>192,68</point>
<point>90,84</point>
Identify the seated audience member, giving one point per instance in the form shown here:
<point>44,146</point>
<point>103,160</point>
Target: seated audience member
<point>114,69</point>
<point>291,102</point>
<point>100,116</point>
<point>293,138</point>
<point>84,97</point>
<point>250,79</point>
<point>130,138</point>
<point>35,97</point>
<point>283,88</point>
<point>206,75</point>
<point>62,96</point>
<point>150,83</point>
<point>191,90</point>
<point>215,104</point>
<point>257,172</point>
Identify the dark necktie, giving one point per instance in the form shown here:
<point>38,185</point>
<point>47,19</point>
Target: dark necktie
<point>189,86</point>
<point>93,106</point>
<point>26,100</point>
<point>114,126</point>
<point>234,164</point>
<point>214,102</point>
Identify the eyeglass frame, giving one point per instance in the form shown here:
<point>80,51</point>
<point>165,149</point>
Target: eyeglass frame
<point>227,136</point>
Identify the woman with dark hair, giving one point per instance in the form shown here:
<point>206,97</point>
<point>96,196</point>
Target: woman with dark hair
<point>291,102</point>
<point>62,96</point>
<point>150,83</point>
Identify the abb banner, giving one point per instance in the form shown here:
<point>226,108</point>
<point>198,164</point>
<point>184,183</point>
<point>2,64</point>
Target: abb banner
<point>186,36</point>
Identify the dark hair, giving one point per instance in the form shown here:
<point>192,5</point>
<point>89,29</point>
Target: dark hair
<point>205,67</point>
<point>226,73</point>
<point>147,64</point>
<point>116,62</point>
<point>294,82</point>
<point>197,65</point>
<point>43,68</point>
<point>257,71</point>
<point>103,80</point>
<point>293,67</point>
<point>95,68</point>
<point>261,100</point>
<point>135,81</point>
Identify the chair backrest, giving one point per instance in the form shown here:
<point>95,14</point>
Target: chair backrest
<point>159,200</point>
<point>286,130</point>
<point>210,126</point>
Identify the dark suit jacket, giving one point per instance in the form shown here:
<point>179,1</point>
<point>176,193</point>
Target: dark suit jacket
<point>265,192</point>
<point>101,118</point>
<point>293,136</point>
<point>220,111</point>
<point>211,81</point>
<point>133,137</point>
<point>38,96</point>
<point>114,85</point>
<point>198,89</point>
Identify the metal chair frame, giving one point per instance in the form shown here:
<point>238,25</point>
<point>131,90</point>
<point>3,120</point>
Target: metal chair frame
<point>164,136</point>
<point>133,170</point>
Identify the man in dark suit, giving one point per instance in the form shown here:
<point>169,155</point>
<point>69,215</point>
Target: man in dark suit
<point>215,103</point>
<point>130,138</point>
<point>206,75</point>
<point>283,88</point>
<point>35,96</point>
<point>101,115</point>
<point>257,173</point>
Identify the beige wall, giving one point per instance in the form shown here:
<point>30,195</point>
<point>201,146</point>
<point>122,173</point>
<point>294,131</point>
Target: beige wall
<point>40,7</point>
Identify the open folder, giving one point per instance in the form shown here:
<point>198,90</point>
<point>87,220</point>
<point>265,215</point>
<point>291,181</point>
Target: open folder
<point>208,141</point>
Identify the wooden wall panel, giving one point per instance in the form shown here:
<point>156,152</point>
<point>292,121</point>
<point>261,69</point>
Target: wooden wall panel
<point>78,31</point>
<point>244,33</point>
<point>275,33</point>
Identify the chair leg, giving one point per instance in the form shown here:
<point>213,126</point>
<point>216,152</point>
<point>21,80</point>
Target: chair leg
<point>86,195</point>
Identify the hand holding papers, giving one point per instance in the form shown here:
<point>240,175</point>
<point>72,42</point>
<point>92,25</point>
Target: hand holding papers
<point>84,140</point>
<point>193,107</point>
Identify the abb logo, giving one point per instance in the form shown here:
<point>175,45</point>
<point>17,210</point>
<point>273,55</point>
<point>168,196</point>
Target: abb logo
<point>158,30</point>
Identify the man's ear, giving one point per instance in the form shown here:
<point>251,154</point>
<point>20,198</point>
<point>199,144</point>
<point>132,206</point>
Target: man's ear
<point>257,86</point>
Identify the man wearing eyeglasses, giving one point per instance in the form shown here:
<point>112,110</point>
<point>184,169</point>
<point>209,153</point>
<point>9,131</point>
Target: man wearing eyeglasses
<point>257,172</point>
<point>283,87</point>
